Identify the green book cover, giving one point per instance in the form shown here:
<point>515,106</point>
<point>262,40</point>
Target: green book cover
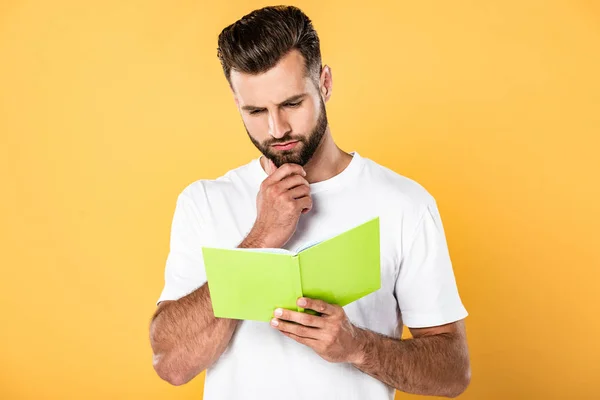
<point>251,283</point>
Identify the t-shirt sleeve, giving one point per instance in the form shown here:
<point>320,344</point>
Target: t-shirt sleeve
<point>184,270</point>
<point>426,288</point>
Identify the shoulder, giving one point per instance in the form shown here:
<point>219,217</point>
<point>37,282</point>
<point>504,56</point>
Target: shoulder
<point>390,186</point>
<point>234,181</point>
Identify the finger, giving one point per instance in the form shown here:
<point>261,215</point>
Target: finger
<point>293,181</point>
<point>305,341</point>
<point>286,170</point>
<point>296,329</point>
<point>270,166</point>
<point>304,203</point>
<point>299,318</point>
<point>299,192</point>
<point>318,305</point>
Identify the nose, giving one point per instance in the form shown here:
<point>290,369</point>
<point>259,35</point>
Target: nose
<point>278,125</point>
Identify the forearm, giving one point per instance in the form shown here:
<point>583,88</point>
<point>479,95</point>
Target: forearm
<point>435,365</point>
<point>185,335</point>
<point>187,338</point>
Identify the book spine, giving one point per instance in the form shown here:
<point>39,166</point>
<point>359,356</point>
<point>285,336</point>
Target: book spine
<point>299,294</point>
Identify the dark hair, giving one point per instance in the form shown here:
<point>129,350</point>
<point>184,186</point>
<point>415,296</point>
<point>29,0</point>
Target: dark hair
<point>257,41</point>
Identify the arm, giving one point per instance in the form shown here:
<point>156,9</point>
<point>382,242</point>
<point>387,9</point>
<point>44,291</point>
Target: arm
<point>186,337</point>
<point>435,362</point>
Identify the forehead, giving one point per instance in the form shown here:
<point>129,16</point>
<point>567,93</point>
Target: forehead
<point>286,79</point>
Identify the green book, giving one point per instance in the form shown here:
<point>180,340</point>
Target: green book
<point>250,284</point>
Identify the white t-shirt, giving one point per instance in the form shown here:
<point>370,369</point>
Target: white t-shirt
<point>418,287</point>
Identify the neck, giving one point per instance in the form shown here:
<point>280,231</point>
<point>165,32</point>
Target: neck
<point>327,161</point>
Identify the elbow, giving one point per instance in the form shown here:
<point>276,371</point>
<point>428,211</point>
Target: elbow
<point>163,362</point>
<point>176,380</point>
<point>166,369</point>
<point>173,379</point>
<point>461,383</point>
<point>168,374</point>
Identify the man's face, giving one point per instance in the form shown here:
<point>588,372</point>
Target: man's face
<point>279,106</point>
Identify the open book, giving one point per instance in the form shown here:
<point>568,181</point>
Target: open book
<point>251,283</point>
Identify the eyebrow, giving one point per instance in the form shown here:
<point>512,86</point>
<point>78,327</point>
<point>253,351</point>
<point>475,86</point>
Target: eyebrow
<point>289,100</point>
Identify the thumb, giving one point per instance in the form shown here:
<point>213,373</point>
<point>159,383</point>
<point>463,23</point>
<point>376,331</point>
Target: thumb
<point>270,166</point>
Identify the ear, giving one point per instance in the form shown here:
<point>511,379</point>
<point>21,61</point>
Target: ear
<point>326,83</point>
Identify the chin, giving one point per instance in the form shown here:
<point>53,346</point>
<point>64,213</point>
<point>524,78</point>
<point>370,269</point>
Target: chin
<point>291,158</point>
<point>287,156</point>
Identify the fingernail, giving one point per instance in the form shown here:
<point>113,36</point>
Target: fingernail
<point>274,322</point>
<point>302,302</point>
<point>278,312</point>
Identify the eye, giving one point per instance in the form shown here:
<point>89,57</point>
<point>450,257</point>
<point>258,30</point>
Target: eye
<point>293,104</point>
<point>255,112</point>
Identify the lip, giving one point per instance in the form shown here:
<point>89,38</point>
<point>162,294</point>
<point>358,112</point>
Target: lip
<point>286,146</point>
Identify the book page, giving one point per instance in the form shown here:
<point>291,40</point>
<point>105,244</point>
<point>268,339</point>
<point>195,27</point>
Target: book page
<point>251,284</point>
<point>344,268</point>
<point>306,246</point>
<point>265,250</point>
<point>316,242</point>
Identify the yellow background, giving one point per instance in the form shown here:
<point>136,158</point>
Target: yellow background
<point>108,109</point>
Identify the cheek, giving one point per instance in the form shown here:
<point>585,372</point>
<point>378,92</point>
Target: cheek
<point>303,120</point>
<point>257,126</point>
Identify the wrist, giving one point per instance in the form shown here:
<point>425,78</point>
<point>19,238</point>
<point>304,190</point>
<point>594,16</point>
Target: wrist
<point>359,354</point>
<point>260,237</point>
<point>252,241</point>
<point>255,239</point>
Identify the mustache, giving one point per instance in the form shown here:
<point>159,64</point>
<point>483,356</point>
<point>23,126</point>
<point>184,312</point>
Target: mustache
<point>283,140</point>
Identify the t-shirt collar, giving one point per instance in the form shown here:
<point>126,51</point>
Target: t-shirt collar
<point>340,179</point>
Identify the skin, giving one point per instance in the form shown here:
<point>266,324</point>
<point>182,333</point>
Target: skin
<point>276,106</point>
<point>434,362</point>
<point>269,92</point>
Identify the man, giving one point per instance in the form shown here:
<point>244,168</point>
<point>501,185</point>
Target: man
<point>304,188</point>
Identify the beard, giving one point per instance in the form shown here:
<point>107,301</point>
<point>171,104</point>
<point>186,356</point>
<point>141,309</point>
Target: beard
<point>302,152</point>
